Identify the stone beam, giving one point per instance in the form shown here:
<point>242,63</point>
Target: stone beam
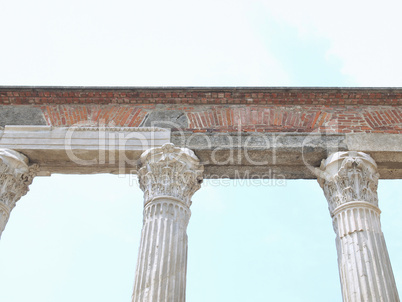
<point>117,150</point>
<point>286,155</point>
<point>83,150</point>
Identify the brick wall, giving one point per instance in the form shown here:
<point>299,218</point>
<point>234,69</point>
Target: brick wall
<point>199,96</point>
<point>221,109</point>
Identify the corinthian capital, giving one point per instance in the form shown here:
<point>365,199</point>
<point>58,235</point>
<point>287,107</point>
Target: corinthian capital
<point>15,177</point>
<point>169,171</point>
<point>349,177</point>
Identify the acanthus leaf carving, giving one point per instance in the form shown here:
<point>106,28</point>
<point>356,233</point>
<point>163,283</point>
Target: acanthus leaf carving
<point>350,180</point>
<point>349,176</point>
<point>15,177</point>
<point>170,171</point>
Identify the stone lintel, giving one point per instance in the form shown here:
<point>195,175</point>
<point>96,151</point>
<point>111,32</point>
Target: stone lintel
<point>286,155</point>
<point>83,150</point>
<point>91,150</point>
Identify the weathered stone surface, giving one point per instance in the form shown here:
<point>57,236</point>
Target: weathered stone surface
<point>286,155</point>
<point>166,119</point>
<point>244,133</point>
<point>169,176</point>
<point>349,181</point>
<point>15,177</point>
<point>21,115</point>
<point>229,155</point>
<point>83,150</point>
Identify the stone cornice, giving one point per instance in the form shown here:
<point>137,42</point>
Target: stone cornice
<point>120,129</point>
<point>83,149</point>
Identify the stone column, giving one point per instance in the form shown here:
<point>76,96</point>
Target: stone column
<point>349,180</point>
<point>169,177</point>
<point>15,177</point>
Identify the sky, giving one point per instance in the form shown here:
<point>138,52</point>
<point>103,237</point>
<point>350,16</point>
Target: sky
<point>76,238</point>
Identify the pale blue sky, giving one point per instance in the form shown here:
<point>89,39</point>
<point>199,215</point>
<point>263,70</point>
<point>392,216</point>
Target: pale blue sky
<point>76,238</point>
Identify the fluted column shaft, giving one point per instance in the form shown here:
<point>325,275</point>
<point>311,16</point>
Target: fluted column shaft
<point>350,181</point>
<point>15,177</point>
<point>162,260</point>
<point>169,177</point>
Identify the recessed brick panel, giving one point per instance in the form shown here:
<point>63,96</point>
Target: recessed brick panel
<point>219,109</point>
<point>68,115</point>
